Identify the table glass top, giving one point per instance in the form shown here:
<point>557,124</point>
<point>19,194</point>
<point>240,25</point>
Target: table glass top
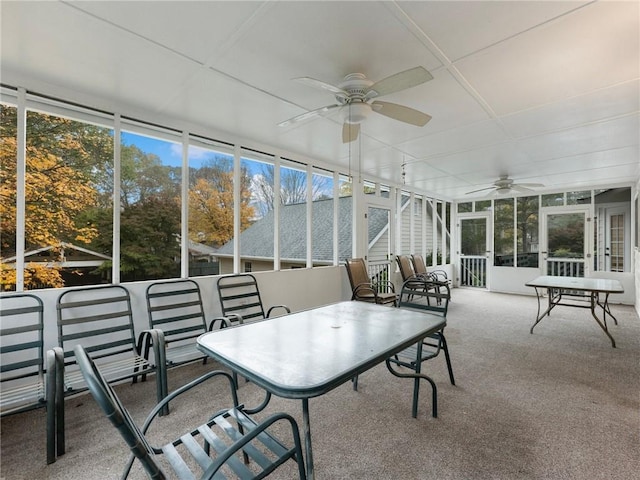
<point>604,285</point>
<point>309,352</point>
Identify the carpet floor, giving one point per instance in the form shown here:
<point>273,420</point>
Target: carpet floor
<point>560,403</point>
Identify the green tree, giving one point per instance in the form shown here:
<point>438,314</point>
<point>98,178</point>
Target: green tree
<point>149,236</point>
<point>143,176</point>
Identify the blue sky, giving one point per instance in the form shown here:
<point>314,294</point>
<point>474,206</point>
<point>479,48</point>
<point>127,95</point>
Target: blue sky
<point>171,153</point>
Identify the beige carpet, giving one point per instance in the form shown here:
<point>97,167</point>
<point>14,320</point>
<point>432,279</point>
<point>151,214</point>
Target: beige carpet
<point>558,404</point>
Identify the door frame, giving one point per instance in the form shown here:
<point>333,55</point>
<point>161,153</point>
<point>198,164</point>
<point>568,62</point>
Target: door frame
<point>586,210</point>
<point>625,211</point>
<point>488,217</point>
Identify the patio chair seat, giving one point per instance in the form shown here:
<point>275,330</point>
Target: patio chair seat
<point>230,445</point>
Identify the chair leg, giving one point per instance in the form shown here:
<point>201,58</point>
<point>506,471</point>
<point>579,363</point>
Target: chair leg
<point>434,395</point>
<point>50,393</point>
<point>59,400</point>
<point>447,358</point>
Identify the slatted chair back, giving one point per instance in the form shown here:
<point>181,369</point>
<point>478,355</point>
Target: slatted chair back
<point>27,377</point>
<point>22,352</point>
<point>405,266</point>
<point>441,283</point>
<point>419,266</point>
<point>228,439</point>
<point>101,320</point>
<point>362,288</point>
<point>417,297</point>
<point>240,299</point>
<point>175,307</point>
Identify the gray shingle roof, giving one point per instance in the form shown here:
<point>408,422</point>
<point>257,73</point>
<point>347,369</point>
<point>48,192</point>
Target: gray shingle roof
<point>257,240</point>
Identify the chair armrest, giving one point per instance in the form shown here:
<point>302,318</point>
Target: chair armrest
<point>149,339</point>
<point>153,338</point>
<point>223,321</point>
<point>441,275</point>
<point>261,427</point>
<point>287,309</point>
<point>160,406</point>
<point>363,287</point>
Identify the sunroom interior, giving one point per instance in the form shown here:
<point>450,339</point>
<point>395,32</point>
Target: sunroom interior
<point>164,140</point>
<point>548,96</point>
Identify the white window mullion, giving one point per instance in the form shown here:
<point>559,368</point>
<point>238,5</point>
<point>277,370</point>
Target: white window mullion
<point>336,218</point>
<point>445,229</point>
<point>309,216</point>
<point>423,230</point>
<point>398,222</point>
<point>276,213</point>
<point>412,230</point>
<point>184,203</point>
<point>115,261</point>
<point>236,208</point>
<point>21,164</point>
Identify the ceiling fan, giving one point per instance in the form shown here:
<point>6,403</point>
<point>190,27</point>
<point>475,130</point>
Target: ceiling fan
<point>354,100</point>
<point>506,185</point>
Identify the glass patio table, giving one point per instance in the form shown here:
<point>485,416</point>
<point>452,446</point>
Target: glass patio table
<point>577,288</point>
<point>309,353</point>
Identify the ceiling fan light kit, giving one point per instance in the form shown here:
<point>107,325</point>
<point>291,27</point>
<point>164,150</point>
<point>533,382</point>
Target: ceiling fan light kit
<point>357,112</point>
<point>354,99</point>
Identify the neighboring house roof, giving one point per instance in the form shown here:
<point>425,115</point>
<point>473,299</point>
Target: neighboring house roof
<point>257,240</point>
<point>85,257</point>
<point>200,249</point>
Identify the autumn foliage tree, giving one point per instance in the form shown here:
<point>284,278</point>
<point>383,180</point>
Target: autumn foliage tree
<point>69,188</point>
<point>211,207</point>
<point>60,157</point>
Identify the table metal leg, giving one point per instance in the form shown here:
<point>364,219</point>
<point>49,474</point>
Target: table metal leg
<point>550,306</point>
<point>307,439</point>
<point>605,306</point>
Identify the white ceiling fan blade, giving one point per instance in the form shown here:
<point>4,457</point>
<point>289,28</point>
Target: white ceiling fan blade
<point>519,187</point>
<point>400,112</point>
<point>530,185</point>
<point>480,190</point>
<point>399,81</point>
<point>350,132</point>
<point>312,82</point>
<point>319,112</point>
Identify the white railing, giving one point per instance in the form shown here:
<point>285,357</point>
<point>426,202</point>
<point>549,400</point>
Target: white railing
<point>380,273</point>
<point>565,267</point>
<point>473,271</point>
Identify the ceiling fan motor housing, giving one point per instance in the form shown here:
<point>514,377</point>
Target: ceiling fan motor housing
<point>358,110</point>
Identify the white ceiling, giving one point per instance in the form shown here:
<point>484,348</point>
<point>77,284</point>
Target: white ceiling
<point>544,91</point>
